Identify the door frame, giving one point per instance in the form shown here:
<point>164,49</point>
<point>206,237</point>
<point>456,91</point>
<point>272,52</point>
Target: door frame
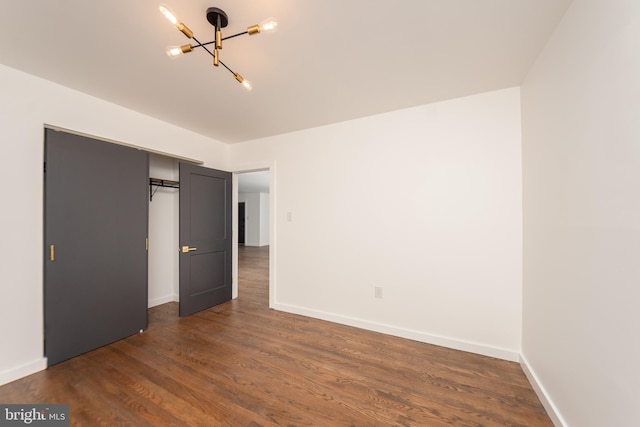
<point>255,167</point>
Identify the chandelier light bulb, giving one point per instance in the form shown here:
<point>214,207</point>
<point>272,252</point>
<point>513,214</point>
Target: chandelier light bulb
<point>168,14</point>
<point>171,17</point>
<point>269,25</point>
<point>247,85</point>
<point>244,82</point>
<point>176,51</point>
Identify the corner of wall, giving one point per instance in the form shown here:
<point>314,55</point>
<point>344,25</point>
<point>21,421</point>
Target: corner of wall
<point>543,395</point>
<point>21,371</point>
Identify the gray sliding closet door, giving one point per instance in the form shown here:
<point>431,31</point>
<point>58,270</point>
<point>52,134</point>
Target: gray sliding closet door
<point>95,252</point>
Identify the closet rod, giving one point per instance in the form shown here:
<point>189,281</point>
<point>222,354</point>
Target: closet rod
<point>157,182</point>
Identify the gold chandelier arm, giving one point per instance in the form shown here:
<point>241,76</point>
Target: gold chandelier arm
<point>185,30</point>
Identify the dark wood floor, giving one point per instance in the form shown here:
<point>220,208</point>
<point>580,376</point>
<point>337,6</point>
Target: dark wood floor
<point>241,364</point>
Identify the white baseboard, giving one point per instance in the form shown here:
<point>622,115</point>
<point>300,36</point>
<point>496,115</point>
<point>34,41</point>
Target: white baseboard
<point>549,406</point>
<point>162,300</point>
<point>23,371</point>
<point>485,350</point>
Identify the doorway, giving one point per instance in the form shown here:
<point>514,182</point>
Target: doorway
<point>172,272</point>
<point>254,246</point>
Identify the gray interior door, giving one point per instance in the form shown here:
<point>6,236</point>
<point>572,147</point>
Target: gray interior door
<point>205,238</point>
<point>96,220</point>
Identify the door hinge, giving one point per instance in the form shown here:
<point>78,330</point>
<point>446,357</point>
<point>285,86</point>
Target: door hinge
<point>52,253</point>
<point>146,244</point>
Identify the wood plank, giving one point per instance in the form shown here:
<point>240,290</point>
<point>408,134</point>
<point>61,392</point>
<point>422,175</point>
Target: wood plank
<point>242,364</point>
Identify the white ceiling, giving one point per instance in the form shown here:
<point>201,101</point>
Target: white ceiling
<point>329,61</point>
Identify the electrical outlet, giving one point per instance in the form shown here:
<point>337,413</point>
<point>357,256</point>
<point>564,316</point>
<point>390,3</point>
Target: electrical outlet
<point>378,291</point>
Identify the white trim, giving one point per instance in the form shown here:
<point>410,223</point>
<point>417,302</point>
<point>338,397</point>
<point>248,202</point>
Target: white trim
<point>453,343</point>
<point>272,234</point>
<point>112,141</point>
<point>162,300</point>
<point>23,371</point>
<point>543,395</point>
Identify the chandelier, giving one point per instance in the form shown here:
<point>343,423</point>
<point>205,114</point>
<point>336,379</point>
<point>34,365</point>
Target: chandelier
<point>218,18</point>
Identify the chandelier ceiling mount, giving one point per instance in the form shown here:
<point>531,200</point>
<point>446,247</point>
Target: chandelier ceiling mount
<point>216,16</point>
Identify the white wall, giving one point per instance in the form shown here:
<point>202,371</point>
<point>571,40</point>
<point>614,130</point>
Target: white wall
<point>26,104</point>
<point>425,203</point>
<point>256,218</point>
<point>163,233</point>
<point>581,151</point>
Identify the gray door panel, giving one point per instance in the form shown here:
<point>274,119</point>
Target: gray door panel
<point>96,216</point>
<point>205,228</point>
